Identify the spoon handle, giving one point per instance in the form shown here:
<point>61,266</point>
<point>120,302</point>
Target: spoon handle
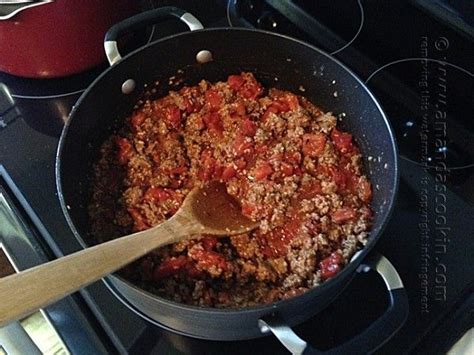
<point>29,290</point>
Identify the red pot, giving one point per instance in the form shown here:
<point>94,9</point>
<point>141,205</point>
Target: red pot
<point>57,37</point>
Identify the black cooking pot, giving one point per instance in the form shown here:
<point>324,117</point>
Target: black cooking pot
<point>277,61</point>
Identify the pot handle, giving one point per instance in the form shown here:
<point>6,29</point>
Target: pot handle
<point>370,339</point>
<point>141,20</point>
<point>9,8</point>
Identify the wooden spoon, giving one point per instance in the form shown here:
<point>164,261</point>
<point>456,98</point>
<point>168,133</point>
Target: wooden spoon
<point>207,210</point>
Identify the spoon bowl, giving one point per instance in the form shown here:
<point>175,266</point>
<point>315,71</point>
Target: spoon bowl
<point>217,211</point>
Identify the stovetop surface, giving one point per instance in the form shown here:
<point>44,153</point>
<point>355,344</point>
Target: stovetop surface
<point>417,63</point>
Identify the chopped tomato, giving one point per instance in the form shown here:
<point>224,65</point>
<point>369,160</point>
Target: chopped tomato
<point>293,157</point>
<point>157,194</point>
<point>228,173</point>
<point>125,150</point>
<point>137,120</point>
<point>276,158</point>
<point>343,214</point>
<point>188,105</point>
<point>248,209</point>
<point>342,141</point>
<point>199,123</point>
<point>208,165</point>
<point>310,190</point>
<point>275,243</point>
<point>190,101</point>
<point>280,106</point>
<point>217,173</point>
<point>241,164</point>
<point>271,109</point>
<point>156,154</point>
<point>209,243</point>
<point>292,101</point>
<point>140,222</point>
<point>313,227</point>
<point>242,146</point>
<point>286,169</point>
<point>208,259</point>
<point>191,270</point>
<point>251,89</point>
<point>352,183</point>
<point>170,267</point>
<point>262,171</point>
<point>339,176</point>
<point>292,228</point>
<point>240,108</point>
<point>213,99</point>
<point>213,122</point>
<point>210,169</point>
<point>314,144</point>
<point>173,117</point>
<point>176,183</point>
<point>289,100</point>
<point>330,266</point>
<point>235,81</point>
<point>248,128</point>
<point>261,148</point>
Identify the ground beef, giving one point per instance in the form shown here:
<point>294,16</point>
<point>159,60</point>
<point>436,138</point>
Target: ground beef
<point>285,161</point>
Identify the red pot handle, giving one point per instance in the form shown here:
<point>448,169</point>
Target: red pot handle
<point>141,20</point>
<point>11,8</point>
<point>377,334</point>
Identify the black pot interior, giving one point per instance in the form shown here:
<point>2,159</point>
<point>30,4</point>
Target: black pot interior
<point>276,61</point>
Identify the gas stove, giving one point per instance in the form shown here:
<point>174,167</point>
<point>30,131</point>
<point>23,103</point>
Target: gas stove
<point>414,55</point>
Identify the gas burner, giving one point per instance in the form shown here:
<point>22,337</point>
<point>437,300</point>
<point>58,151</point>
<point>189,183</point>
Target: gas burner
<point>332,25</point>
<point>428,105</point>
